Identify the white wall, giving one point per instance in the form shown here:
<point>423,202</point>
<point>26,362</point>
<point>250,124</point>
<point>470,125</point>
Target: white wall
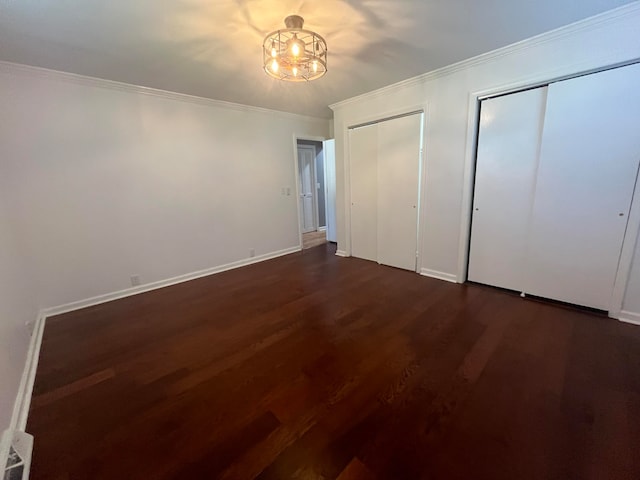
<point>17,306</point>
<point>107,181</point>
<point>606,40</point>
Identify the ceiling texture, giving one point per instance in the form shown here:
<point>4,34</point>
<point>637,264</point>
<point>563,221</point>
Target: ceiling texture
<point>212,48</point>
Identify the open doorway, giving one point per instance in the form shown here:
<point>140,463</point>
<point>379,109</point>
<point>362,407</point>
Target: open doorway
<point>312,188</point>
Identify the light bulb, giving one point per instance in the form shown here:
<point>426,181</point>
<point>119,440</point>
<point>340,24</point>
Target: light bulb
<point>315,66</point>
<point>274,66</point>
<point>295,49</point>
<point>274,52</point>
<point>295,71</point>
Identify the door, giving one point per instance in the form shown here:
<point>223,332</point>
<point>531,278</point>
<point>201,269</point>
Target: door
<point>306,168</point>
<point>398,184</point>
<point>506,168</point>
<point>385,180</point>
<point>330,187</point>
<point>588,167</point>
<point>363,144</point>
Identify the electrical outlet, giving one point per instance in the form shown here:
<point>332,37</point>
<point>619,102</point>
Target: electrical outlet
<point>288,191</point>
<point>252,252</point>
<point>135,280</point>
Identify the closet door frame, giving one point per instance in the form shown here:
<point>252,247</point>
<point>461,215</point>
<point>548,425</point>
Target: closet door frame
<point>473,129</point>
<point>422,108</point>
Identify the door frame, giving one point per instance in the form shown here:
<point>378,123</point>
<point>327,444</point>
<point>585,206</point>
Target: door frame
<point>473,130</point>
<point>296,173</point>
<point>420,108</point>
<point>314,186</point>
<point>330,212</point>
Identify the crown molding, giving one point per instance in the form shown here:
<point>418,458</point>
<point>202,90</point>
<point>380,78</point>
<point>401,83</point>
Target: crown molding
<point>18,69</point>
<point>581,25</point>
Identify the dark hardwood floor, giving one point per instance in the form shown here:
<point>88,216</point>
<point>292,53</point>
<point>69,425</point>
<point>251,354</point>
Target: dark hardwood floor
<point>312,366</point>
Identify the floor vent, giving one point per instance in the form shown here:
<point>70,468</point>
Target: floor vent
<point>16,454</point>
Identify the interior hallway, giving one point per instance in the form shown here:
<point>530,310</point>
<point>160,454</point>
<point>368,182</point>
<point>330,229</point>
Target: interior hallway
<point>313,239</point>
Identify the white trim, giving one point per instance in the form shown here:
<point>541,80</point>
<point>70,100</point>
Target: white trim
<point>322,229</point>
<point>296,179</point>
<point>296,175</point>
<point>629,317</point>
<point>604,18</point>
<point>447,277</point>
<point>25,391</point>
<point>373,119</point>
<point>5,441</point>
<point>316,196</point>
<point>422,187</point>
<point>326,189</point>
<point>342,253</point>
<point>346,189</point>
<point>89,302</point>
<point>18,69</point>
<point>310,138</point>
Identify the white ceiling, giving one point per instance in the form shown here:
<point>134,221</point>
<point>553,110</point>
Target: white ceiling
<point>212,48</point>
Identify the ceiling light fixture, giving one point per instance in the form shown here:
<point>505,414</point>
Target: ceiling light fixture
<point>294,54</point>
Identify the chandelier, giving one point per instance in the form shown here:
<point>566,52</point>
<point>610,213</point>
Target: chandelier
<point>294,54</point>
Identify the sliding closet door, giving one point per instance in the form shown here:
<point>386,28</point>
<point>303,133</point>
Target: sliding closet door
<point>398,183</point>
<point>385,179</point>
<point>507,159</point>
<point>364,192</point>
<point>588,166</point>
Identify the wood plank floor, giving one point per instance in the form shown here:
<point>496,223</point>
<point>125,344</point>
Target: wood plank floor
<point>313,239</point>
<point>312,366</point>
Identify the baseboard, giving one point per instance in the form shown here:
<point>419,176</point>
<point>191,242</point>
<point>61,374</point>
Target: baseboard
<point>25,390</point>
<point>341,253</point>
<point>447,277</point>
<point>322,229</point>
<point>629,317</point>
<point>108,297</point>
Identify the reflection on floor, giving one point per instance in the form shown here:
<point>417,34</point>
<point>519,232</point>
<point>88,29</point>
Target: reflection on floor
<point>313,366</point>
<point>313,239</point>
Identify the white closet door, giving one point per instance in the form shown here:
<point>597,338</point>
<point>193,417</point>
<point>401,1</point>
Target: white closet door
<point>588,166</point>
<point>398,183</point>
<point>363,144</point>
<point>507,160</point>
